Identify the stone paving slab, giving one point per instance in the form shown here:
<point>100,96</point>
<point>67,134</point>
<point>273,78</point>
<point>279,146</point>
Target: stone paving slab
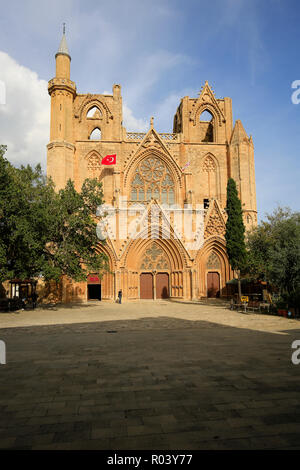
<point>148,375</point>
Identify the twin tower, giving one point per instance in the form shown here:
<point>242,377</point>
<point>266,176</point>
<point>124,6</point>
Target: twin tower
<point>188,168</point>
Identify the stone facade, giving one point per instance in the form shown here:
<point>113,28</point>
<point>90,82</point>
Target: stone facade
<point>188,168</point>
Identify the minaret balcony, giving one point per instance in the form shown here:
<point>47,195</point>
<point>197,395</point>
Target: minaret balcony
<point>61,84</point>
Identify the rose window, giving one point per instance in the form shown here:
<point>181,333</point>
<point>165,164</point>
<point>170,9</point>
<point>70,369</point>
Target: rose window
<point>152,180</point>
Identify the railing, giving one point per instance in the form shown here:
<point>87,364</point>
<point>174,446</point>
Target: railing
<point>167,136</point>
<point>135,135</point>
<point>141,135</point>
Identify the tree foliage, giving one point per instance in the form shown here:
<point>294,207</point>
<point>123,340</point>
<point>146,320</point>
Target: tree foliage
<point>274,251</point>
<point>235,229</point>
<point>44,232</point>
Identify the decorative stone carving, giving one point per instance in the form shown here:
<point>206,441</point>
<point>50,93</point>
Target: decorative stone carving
<point>93,100</point>
<point>213,261</point>
<point>94,164</point>
<point>152,179</point>
<point>151,141</point>
<point>208,164</point>
<point>215,224</point>
<point>154,258</point>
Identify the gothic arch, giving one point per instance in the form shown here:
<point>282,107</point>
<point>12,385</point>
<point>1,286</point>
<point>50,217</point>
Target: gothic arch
<point>172,248</point>
<point>169,164</point>
<point>210,167</point>
<point>93,163</point>
<point>154,257</point>
<point>248,219</point>
<point>108,277</point>
<point>95,134</point>
<point>211,156</point>
<point>152,180</point>
<point>89,103</point>
<point>95,115</point>
<point>212,109</point>
<point>136,159</point>
<point>91,153</point>
<point>109,251</point>
<point>213,261</point>
<point>215,245</point>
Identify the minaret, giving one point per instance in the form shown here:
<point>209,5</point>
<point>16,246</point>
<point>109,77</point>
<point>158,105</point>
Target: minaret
<point>61,148</point>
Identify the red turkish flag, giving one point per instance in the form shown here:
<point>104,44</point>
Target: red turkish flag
<point>109,160</point>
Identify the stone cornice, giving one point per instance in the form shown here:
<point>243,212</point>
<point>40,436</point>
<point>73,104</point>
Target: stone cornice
<point>61,84</point>
<point>60,143</point>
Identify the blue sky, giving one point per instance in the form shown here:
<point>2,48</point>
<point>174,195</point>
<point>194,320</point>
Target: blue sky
<point>160,51</point>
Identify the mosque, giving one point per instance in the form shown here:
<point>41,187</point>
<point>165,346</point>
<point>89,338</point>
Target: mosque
<point>168,177</point>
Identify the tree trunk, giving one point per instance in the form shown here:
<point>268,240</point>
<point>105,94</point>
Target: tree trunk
<point>239,285</point>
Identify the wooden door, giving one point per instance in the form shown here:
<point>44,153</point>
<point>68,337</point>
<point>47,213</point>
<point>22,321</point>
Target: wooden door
<point>146,286</point>
<point>162,285</point>
<point>213,284</point>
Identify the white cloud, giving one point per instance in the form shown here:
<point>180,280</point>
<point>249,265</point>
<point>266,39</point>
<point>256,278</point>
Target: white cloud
<point>150,69</point>
<point>165,111</point>
<point>25,118</point>
<point>133,124</point>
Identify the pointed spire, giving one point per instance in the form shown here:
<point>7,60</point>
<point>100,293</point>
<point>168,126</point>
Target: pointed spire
<point>63,47</point>
<point>239,134</point>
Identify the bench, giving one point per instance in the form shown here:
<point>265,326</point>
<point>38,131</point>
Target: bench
<point>238,306</point>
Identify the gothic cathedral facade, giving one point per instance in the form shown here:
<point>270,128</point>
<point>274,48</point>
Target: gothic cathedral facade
<point>169,174</point>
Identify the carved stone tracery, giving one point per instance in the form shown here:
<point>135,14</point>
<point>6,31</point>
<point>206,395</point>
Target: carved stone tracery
<point>213,261</point>
<point>93,164</point>
<point>154,258</point>
<point>152,179</point>
<point>151,141</point>
<point>91,101</point>
<point>215,224</point>
<point>208,164</point>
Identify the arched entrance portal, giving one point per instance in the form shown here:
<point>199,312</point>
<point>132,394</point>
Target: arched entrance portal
<point>162,261</point>
<point>213,284</point>
<point>154,285</point>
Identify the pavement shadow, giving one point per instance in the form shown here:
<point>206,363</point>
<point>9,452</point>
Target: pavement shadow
<point>160,382</point>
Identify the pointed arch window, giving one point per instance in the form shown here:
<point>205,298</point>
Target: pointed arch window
<point>207,126</point>
<point>94,113</point>
<point>95,134</point>
<point>152,180</point>
<point>249,219</point>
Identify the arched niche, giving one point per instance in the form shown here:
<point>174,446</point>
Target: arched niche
<point>95,134</point>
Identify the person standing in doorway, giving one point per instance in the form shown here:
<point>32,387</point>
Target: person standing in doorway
<point>120,296</point>
<point>34,300</point>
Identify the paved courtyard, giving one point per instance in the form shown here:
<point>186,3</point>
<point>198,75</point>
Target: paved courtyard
<point>148,375</point>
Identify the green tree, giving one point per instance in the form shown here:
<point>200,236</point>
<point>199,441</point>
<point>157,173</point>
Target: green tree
<point>43,232</point>
<point>235,232</point>
<point>5,194</point>
<point>70,247</point>
<point>274,252</point>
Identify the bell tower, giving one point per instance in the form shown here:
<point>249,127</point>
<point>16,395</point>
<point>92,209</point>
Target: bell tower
<point>61,148</point>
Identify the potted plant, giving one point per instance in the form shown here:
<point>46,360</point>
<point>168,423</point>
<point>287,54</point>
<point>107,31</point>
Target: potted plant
<point>282,308</point>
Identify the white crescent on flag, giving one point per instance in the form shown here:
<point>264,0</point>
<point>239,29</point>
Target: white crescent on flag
<point>109,160</point>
